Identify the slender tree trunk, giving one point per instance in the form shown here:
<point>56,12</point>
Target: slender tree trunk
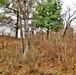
<point>64,32</point>
<point>42,33</point>
<point>47,34</point>
<point>16,26</point>
<point>25,17</point>
<point>21,32</point>
<point>16,35</point>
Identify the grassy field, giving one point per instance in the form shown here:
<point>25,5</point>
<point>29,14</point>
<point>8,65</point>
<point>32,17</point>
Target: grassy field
<point>55,56</point>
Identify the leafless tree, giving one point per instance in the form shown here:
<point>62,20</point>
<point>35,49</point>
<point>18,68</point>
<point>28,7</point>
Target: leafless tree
<point>68,18</point>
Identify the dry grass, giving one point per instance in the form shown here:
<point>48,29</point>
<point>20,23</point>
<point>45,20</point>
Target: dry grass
<point>55,56</point>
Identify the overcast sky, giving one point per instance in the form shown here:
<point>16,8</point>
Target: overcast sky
<point>71,4</point>
<point>68,3</point>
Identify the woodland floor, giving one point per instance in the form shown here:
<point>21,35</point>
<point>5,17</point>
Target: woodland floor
<point>55,56</point>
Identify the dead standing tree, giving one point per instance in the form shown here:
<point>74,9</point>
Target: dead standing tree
<point>68,18</point>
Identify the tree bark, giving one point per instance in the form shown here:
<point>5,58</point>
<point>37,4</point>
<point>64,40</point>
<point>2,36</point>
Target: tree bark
<point>47,33</point>
<point>25,15</point>
<point>21,32</point>
<point>16,35</point>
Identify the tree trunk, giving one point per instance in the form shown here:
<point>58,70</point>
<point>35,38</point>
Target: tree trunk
<point>16,26</point>
<point>47,33</point>
<point>65,30</point>
<point>16,35</point>
<point>21,32</point>
<point>25,17</point>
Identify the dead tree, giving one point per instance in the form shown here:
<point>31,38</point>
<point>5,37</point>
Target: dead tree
<point>68,18</point>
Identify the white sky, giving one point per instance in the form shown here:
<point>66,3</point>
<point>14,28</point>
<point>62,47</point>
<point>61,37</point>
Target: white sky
<point>72,5</point>
<point>68,3</point>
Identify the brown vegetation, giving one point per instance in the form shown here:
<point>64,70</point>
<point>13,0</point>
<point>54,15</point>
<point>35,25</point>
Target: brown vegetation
<point>55,56</point>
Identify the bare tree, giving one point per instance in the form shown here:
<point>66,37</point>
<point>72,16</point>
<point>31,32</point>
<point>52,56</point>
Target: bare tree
<point>68,18</point>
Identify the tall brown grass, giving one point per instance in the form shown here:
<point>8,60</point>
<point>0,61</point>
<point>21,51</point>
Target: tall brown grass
<point>55,56</point>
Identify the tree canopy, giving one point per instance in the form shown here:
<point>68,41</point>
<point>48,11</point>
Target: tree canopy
<point>2,1</point>
<point>47,14</point>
